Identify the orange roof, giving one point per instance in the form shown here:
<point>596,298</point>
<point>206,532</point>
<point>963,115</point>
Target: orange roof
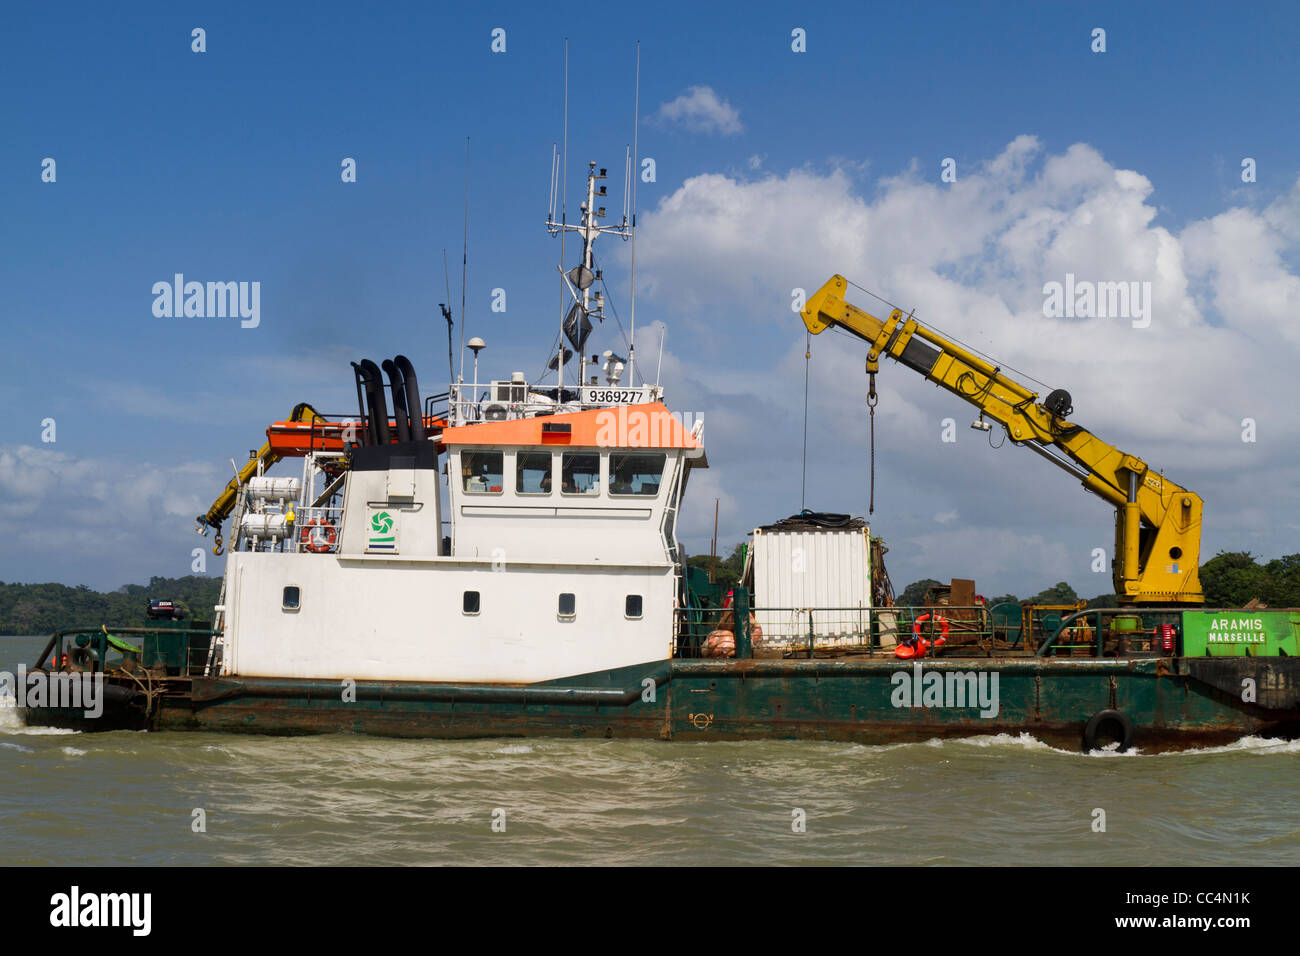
<point>624,426</point>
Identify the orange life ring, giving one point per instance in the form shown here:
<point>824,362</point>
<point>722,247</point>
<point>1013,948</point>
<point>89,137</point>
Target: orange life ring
<point>319,536</point>
<point>943,626</point>
<point>916,645</point>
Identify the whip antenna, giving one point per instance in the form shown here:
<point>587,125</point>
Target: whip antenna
<point>464,268</point>
<point>636,175</point>
<point>446,314</point>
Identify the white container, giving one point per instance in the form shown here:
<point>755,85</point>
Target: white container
<point>827,572</point>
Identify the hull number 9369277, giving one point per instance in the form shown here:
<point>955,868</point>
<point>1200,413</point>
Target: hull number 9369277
<point>612,396</point>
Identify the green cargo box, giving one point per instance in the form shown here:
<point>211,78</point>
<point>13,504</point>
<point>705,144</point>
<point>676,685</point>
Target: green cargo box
<point>1241,633</point>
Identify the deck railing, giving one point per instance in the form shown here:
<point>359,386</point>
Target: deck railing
<point>184,648</point>
<point>812,631</point>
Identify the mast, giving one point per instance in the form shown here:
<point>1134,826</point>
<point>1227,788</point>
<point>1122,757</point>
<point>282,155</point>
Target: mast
<point>586,303</point>
<point>579,280</point>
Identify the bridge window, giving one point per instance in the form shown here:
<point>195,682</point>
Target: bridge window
<point>636,474</point>
<point>533,473</point>
<point>568,606</point>
<point>632,606</point>
<point>470,603</point>
<point>580,474</point>
<point>481,472</point>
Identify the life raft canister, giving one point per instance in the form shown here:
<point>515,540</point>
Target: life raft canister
<point>319,536</point>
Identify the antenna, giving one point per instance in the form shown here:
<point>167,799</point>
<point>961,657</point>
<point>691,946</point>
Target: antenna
<point>663,330</point>
<point>564,207</point>
<point>555,182</point>
<point>446,314</point>
<point>636,175</point>
<point>464,269</point>
<point>575,322</point>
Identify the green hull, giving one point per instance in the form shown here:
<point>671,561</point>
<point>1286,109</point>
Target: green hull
<point>1171,703</point>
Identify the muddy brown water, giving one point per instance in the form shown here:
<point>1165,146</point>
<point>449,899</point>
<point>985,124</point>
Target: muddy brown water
<point>130,798</point>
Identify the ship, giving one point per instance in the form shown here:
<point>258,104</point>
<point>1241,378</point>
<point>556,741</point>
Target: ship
<point>502,560</point>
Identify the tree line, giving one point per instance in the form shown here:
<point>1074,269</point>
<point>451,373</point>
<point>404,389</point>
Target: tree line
<point>46,608</point>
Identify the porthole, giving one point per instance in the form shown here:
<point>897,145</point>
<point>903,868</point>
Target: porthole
<point>568,608</point>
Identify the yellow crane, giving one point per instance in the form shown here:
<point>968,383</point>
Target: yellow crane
<point>266,457</point>
<point>1157,522</point>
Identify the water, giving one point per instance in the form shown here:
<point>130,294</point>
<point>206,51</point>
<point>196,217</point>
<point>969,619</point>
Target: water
<point>71,798</point>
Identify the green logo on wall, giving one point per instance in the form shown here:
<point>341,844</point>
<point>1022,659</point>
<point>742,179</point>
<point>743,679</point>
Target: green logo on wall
<point>383,532</point>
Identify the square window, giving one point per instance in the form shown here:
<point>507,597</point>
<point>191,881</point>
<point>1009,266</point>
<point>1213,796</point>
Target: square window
<point>470,603</point>
<point>533,473</point>
<point>636,474</point>
<point>632,606</point>
<point>580,474</point>
<point>568,605</point>
<point>292,598</point>
<point>481,472</point>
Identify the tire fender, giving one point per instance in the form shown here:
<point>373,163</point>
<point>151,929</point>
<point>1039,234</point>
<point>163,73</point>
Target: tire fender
<point>1101,719</point>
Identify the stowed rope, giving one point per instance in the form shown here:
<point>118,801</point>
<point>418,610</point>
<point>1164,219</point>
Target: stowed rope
<point>150,698</point>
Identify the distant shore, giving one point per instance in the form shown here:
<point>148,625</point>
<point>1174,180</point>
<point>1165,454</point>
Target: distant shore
<point>45,608</point>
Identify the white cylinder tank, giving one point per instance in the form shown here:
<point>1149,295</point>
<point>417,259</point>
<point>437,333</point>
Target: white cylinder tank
<point>266,488</point>
<point>270,525</point>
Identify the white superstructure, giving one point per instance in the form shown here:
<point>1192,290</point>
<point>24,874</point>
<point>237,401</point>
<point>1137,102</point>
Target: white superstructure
<point>558,557</point>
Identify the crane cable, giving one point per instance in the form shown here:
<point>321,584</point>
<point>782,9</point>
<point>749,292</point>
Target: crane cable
<point>807,360</point>
<point>872,398</point>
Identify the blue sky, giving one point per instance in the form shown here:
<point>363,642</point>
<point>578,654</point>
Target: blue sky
<point>224,166</point>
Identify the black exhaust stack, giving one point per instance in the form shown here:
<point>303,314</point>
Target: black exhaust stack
<point>414,409</point>
<point>364,389</point>
<point>398,388</point>
<point>374,383</point>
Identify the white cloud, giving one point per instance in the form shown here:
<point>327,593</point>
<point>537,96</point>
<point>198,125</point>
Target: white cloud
<point>723,253</point>
<point>699,110</point>
<point>97,521</point>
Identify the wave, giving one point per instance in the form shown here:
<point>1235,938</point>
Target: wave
<point>1027,741</point>
<point>13,722</point>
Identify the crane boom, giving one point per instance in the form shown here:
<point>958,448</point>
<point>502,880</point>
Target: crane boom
<point>1157,522</point>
